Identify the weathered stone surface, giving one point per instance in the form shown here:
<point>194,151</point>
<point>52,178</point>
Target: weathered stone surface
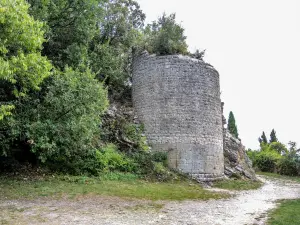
<point>178,100</point>
<point>237,163</point>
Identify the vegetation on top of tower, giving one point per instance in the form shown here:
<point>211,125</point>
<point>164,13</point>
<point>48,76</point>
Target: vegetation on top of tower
<point>165,37</point>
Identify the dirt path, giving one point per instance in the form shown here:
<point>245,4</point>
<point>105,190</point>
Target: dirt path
<point>247,207</point>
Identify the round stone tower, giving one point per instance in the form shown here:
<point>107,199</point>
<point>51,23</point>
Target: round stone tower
<point>177,98</point>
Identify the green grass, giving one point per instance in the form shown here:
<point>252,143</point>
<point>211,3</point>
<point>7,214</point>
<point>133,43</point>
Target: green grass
<point>286,214</point>
<point>278,176</point>
<point>127,187</point>
<point>238,184</point>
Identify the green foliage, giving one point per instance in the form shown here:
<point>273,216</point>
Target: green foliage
<point>128,135</point>
<point>60,123</point>
<point>275,157</point>
<point>70,27</point>
<point>22,68</point>
<point>109,64</point>
<point>97,34</point>
<point>112,160</point>
<point>160,157</point>
<point>252,154</point>
<point>134,132</point>
<point>5,110</point>
<point>279,147</point>
<point>273,137</point>
<point>67,120</point>
<point>153,166</point>
<point>52,92</point>
<point>232,125</point>
<point>111,51</point>
<point>165,37</point>
<point>267,161</point>
<point>263,139</point>
<point>121,22</point>
<point>289,165</point>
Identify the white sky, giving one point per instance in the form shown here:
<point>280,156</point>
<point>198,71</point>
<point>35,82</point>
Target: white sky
<point>255,46</point>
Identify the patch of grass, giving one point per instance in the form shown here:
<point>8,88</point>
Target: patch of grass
<point>238,184</point>
<point>278,176</point>
<point>131,187</point>
<point>286,214</point>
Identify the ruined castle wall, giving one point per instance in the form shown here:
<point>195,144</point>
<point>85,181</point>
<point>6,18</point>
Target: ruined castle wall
<point>178,100</point>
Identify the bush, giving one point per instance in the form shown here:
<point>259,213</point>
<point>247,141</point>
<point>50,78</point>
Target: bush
<point>165,37</point>
<point>289,165</point>
<point>279,147</point>
<point>59,124</point>
<point>110,160</point>
<point>266,161</point>
<point>275,157</point>
<point>67,120</point>
<point>153,166</point>
<point>252,154</point>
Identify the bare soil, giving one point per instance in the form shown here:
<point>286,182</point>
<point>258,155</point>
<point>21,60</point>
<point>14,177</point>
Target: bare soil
<point>246,207</point>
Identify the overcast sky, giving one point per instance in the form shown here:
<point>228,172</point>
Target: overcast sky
<point>255,46</point>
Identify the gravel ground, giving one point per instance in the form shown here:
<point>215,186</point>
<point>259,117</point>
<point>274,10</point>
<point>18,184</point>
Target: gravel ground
<point>246,207</point>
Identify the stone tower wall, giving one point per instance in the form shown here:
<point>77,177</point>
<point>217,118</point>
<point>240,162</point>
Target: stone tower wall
<point>178,100</point>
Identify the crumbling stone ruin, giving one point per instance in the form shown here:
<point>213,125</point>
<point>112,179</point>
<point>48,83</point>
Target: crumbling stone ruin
<point>178,100</point>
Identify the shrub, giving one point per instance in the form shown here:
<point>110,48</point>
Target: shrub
<point>252,154</point>
<point>110,160</point>
<point>289,165</point>
<point>134,132</point>
<point>165,37</point>
<point>66,122</point>
<point>153,166</point>
<point>266,161</point>
<point>160,157</point>
<point>59,124</point>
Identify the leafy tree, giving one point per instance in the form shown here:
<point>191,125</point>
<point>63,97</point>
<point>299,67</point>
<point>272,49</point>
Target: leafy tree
<point>71,25</point>
<point>95,34</point>
<point>279,147</point>
<point>22,68</point>
<point>111,51</point>
<point>165,37</point>
<point>232,126</point>
<point>121,23</point>
<point>273,137</point>
<point>263,138</point>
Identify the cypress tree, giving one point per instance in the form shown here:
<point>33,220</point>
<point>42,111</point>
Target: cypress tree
<point>232,126</point>
<point>263,138</point>
<point>273,137</point>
